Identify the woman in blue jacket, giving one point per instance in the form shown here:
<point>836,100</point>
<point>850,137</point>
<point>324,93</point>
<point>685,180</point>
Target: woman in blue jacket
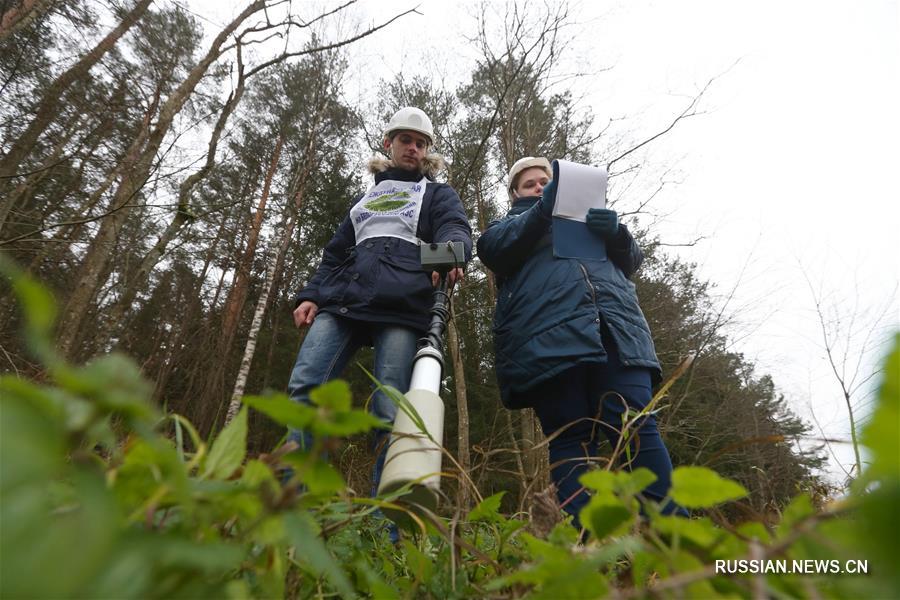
<point>370,288</point>
<point>571,341</point>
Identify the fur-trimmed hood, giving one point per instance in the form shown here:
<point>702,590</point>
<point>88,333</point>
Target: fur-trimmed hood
<point>432,164</point>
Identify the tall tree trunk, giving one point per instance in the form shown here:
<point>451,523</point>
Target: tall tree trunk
<point>234,305</point>
<point>529,441</point>
<point>19,196</point>
<point>270,354</point>
<point>298,191</point>
<point>19,17</point>
<point>135,171</point>
<point>183,214</point>
<point>49,105</point>
<point>482,225</point>
<point>250,347</point>
<point>96,259</point>
<point>299,185</point>
<point>237,297</point>
<point>462,407</point>
<point>194,309</point>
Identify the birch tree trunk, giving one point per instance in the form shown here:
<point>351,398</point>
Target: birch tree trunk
<point>274,270</point>
<point>234,305</point>
<point>235,301</point>
<point>250,348</point>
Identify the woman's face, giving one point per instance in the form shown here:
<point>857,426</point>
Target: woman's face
<point>531,182</point>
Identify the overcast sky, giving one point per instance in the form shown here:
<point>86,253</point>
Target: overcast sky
<point>791,173</point>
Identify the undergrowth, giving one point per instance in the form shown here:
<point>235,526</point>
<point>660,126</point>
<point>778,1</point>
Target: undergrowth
<point>102,496</point>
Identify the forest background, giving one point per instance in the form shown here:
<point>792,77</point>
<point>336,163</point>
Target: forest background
<point>174,185</point>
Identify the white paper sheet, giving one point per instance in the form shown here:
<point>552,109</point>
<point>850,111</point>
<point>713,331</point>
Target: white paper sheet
<point>579,187</point>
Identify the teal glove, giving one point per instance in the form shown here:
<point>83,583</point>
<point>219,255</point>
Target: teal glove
<point>548,198</point>
<point>602,222</point>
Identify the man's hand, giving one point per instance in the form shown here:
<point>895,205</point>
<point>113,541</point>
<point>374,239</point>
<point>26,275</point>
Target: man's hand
<point>305,314</point>
<point>452,277</point>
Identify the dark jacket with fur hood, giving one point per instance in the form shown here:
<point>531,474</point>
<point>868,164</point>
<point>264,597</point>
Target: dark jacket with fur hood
<point>382,279</point>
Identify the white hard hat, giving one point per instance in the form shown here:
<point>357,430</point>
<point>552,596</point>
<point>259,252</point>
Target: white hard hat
<point>411,119</point>
<point>527,163</point>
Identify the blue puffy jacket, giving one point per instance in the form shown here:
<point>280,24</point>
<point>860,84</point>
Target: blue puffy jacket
<point>382,279</point>
<point>548,310</point>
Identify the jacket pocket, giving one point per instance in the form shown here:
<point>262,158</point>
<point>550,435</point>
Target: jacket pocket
<point>334,285</point>
<point>401,285</point>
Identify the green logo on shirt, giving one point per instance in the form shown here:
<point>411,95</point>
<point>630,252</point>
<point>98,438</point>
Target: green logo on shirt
<point>389,202</point>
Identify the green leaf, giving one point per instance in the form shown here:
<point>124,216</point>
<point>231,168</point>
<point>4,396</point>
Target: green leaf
<point>882,433</point>
<point>576,580</point>
<point>800,508</point>
<point>372,582</point>
<point>700,532</point>
<point>37,303</point>
<point>603,517</point>
<point>623,483</point>
<point>642,565</point>
<point>114,382</point>
<point>599,480</point>
<point>510,526</point>
<point>270,531</point>
<point>32,438</point>
<point>685,562</point>
<point>346,424</point>
<point>282,409</point>
<point>563,534</point>
<point>229,449</point>
<point>209,557</point>
<point>755,529</point>
<point>256,473</point>
<point>39,308</point>
<point>699,487</point>
<point>420,566</point>
<point>561,574</point>
<point>542,549</point>
<point>334,394</point>
<point>311,553</point>
<point>636,481</point>
<point>82,537</point>
<point>488,509</point>
<point>147,465</point>
<point>322,478</point>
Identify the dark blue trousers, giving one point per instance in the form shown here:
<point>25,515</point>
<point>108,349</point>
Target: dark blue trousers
<point>590,400</point>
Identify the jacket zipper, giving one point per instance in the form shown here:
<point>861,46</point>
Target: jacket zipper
<point>587,280</point>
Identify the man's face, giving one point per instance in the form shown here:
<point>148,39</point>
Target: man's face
<point>407,149</point>
<point>531,182</point>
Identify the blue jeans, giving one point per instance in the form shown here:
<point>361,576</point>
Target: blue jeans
<point>326,350</point>
<point>591,397</point>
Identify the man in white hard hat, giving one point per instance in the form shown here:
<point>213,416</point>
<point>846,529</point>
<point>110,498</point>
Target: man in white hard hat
<point>370,288</point>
